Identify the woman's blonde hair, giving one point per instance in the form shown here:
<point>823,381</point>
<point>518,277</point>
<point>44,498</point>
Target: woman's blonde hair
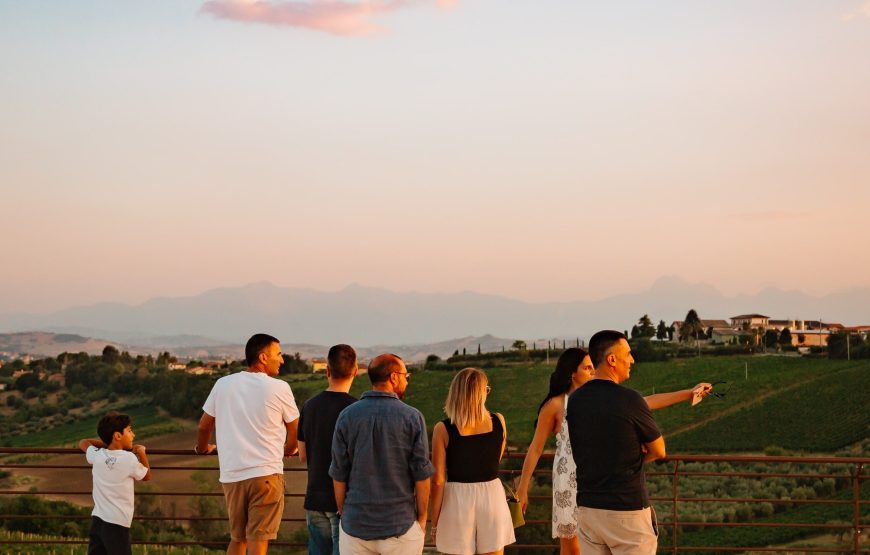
<point>465,405</point>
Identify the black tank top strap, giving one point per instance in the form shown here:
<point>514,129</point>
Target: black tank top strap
<point>474,458</point>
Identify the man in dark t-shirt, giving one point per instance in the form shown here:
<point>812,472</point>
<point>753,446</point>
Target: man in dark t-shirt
<point>316,427</point>
<point>612,435</point>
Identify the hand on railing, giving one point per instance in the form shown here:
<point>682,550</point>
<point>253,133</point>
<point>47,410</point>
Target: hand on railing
<point>209,450</point>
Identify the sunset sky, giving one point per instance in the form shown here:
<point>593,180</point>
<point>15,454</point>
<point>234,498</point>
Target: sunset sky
<point>538,149</point>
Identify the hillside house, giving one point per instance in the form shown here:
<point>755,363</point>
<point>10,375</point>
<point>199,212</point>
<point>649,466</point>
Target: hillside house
<point>317,365</point>
<point>750,321</point>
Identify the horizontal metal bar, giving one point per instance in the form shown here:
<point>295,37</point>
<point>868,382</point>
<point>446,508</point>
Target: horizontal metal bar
<point>86,517</point>
<point>759,525</point>
<point>138,493</point>
<point>88,467</point>
<point>753,500</point>
<point>757,475</point>
<point>789,549</point>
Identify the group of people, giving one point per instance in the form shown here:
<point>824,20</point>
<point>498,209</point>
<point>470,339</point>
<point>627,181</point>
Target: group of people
<point>371,478</point>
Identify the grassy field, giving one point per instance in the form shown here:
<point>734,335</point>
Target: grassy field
<point>784,401</point>
<point>147,422</point>
<point>815,405</point>
<point>810,405</point>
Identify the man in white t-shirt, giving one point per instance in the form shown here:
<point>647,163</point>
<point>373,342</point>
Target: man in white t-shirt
<point>116,463</point>
<point>254,417</point>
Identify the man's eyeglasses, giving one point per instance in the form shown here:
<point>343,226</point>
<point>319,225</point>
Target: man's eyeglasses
<point>488,390</point>
<point>406,374</point>
<point>720,394</point>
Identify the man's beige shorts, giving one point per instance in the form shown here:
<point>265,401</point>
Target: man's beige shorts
<point>603,532</point>
<point>255,507</point>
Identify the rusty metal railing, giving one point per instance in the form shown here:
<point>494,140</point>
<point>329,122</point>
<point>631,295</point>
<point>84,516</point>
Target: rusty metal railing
<point>676,469</point>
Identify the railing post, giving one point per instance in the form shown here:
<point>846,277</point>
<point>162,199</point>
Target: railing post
<point>674,508</point>
<point>856,504</point>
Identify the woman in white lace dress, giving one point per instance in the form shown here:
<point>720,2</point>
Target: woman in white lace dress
<point>573,369</point>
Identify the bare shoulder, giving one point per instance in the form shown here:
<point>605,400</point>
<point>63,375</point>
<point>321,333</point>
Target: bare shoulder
<point>551,413</point>
<point>556,405</point>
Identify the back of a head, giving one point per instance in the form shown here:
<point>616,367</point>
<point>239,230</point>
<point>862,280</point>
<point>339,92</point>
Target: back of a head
<point>601,343</point>
<point>111,423</point>
<point>382,366</point>
<point>256,345</point>
<point>341,360</point>
<point>465,405</point>
<point>560,379</point>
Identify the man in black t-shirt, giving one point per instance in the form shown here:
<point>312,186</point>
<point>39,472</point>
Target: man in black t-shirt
<point>612,435</point>
<point>316,427</point>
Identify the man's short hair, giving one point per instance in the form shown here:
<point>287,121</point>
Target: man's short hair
<point>382,366</point>
<point>111,423</point>
<point>341,360</point>
<point>601,343</point>
<point>258,343</point>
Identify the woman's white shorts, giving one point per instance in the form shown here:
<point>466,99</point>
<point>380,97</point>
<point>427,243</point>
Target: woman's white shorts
<point>474,518</point>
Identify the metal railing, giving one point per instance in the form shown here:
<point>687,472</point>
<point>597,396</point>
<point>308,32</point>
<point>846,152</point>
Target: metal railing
<point>847,473</point>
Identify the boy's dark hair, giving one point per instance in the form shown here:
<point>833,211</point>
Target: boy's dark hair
<point>111,423</point>
<point>341,360</point>
<point>256,345</point>
<point>382,366</point>
<point>601,343</point>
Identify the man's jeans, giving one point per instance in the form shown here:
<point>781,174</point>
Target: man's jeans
<point>322,532</point>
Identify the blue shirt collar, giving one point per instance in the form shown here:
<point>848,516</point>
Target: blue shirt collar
<point>372,393</point>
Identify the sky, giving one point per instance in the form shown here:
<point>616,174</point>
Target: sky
<point>545,150</point>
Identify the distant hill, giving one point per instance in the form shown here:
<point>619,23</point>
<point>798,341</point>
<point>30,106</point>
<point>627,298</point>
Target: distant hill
<point>370,316</point>
<point>52,344</point>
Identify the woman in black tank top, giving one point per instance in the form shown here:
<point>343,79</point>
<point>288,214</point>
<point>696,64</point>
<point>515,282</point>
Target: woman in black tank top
<point>469,510</point>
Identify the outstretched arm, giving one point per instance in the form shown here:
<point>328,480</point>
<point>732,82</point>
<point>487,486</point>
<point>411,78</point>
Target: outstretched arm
<point>662,400</point>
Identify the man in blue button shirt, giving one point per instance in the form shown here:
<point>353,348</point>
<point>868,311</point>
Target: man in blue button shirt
<point>380,467</point>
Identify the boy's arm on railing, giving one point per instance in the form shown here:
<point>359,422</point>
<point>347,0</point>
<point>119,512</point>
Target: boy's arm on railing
<point>139,451</point>
<point>85,443</point>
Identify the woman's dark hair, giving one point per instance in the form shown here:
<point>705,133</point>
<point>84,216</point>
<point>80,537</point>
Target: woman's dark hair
<point>560,379</point>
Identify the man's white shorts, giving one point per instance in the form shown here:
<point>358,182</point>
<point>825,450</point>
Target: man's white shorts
<point>409,543</point>
<point>603,532</point>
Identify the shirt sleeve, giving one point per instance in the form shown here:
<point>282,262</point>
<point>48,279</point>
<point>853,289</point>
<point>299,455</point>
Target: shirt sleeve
<point>644,423</point>
<point>137,469</point>
<point>90,454</point>
<point>421,466</point>
<point>339,468</point>
<point>289,410</point>
<point>209,406</point>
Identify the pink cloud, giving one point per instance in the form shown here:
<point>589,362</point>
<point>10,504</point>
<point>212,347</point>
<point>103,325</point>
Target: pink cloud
<point>337,17</point>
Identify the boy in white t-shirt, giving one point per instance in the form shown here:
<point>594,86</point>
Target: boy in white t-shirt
<point>116,464</point>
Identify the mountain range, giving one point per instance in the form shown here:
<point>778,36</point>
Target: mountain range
<point>369,316</point>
